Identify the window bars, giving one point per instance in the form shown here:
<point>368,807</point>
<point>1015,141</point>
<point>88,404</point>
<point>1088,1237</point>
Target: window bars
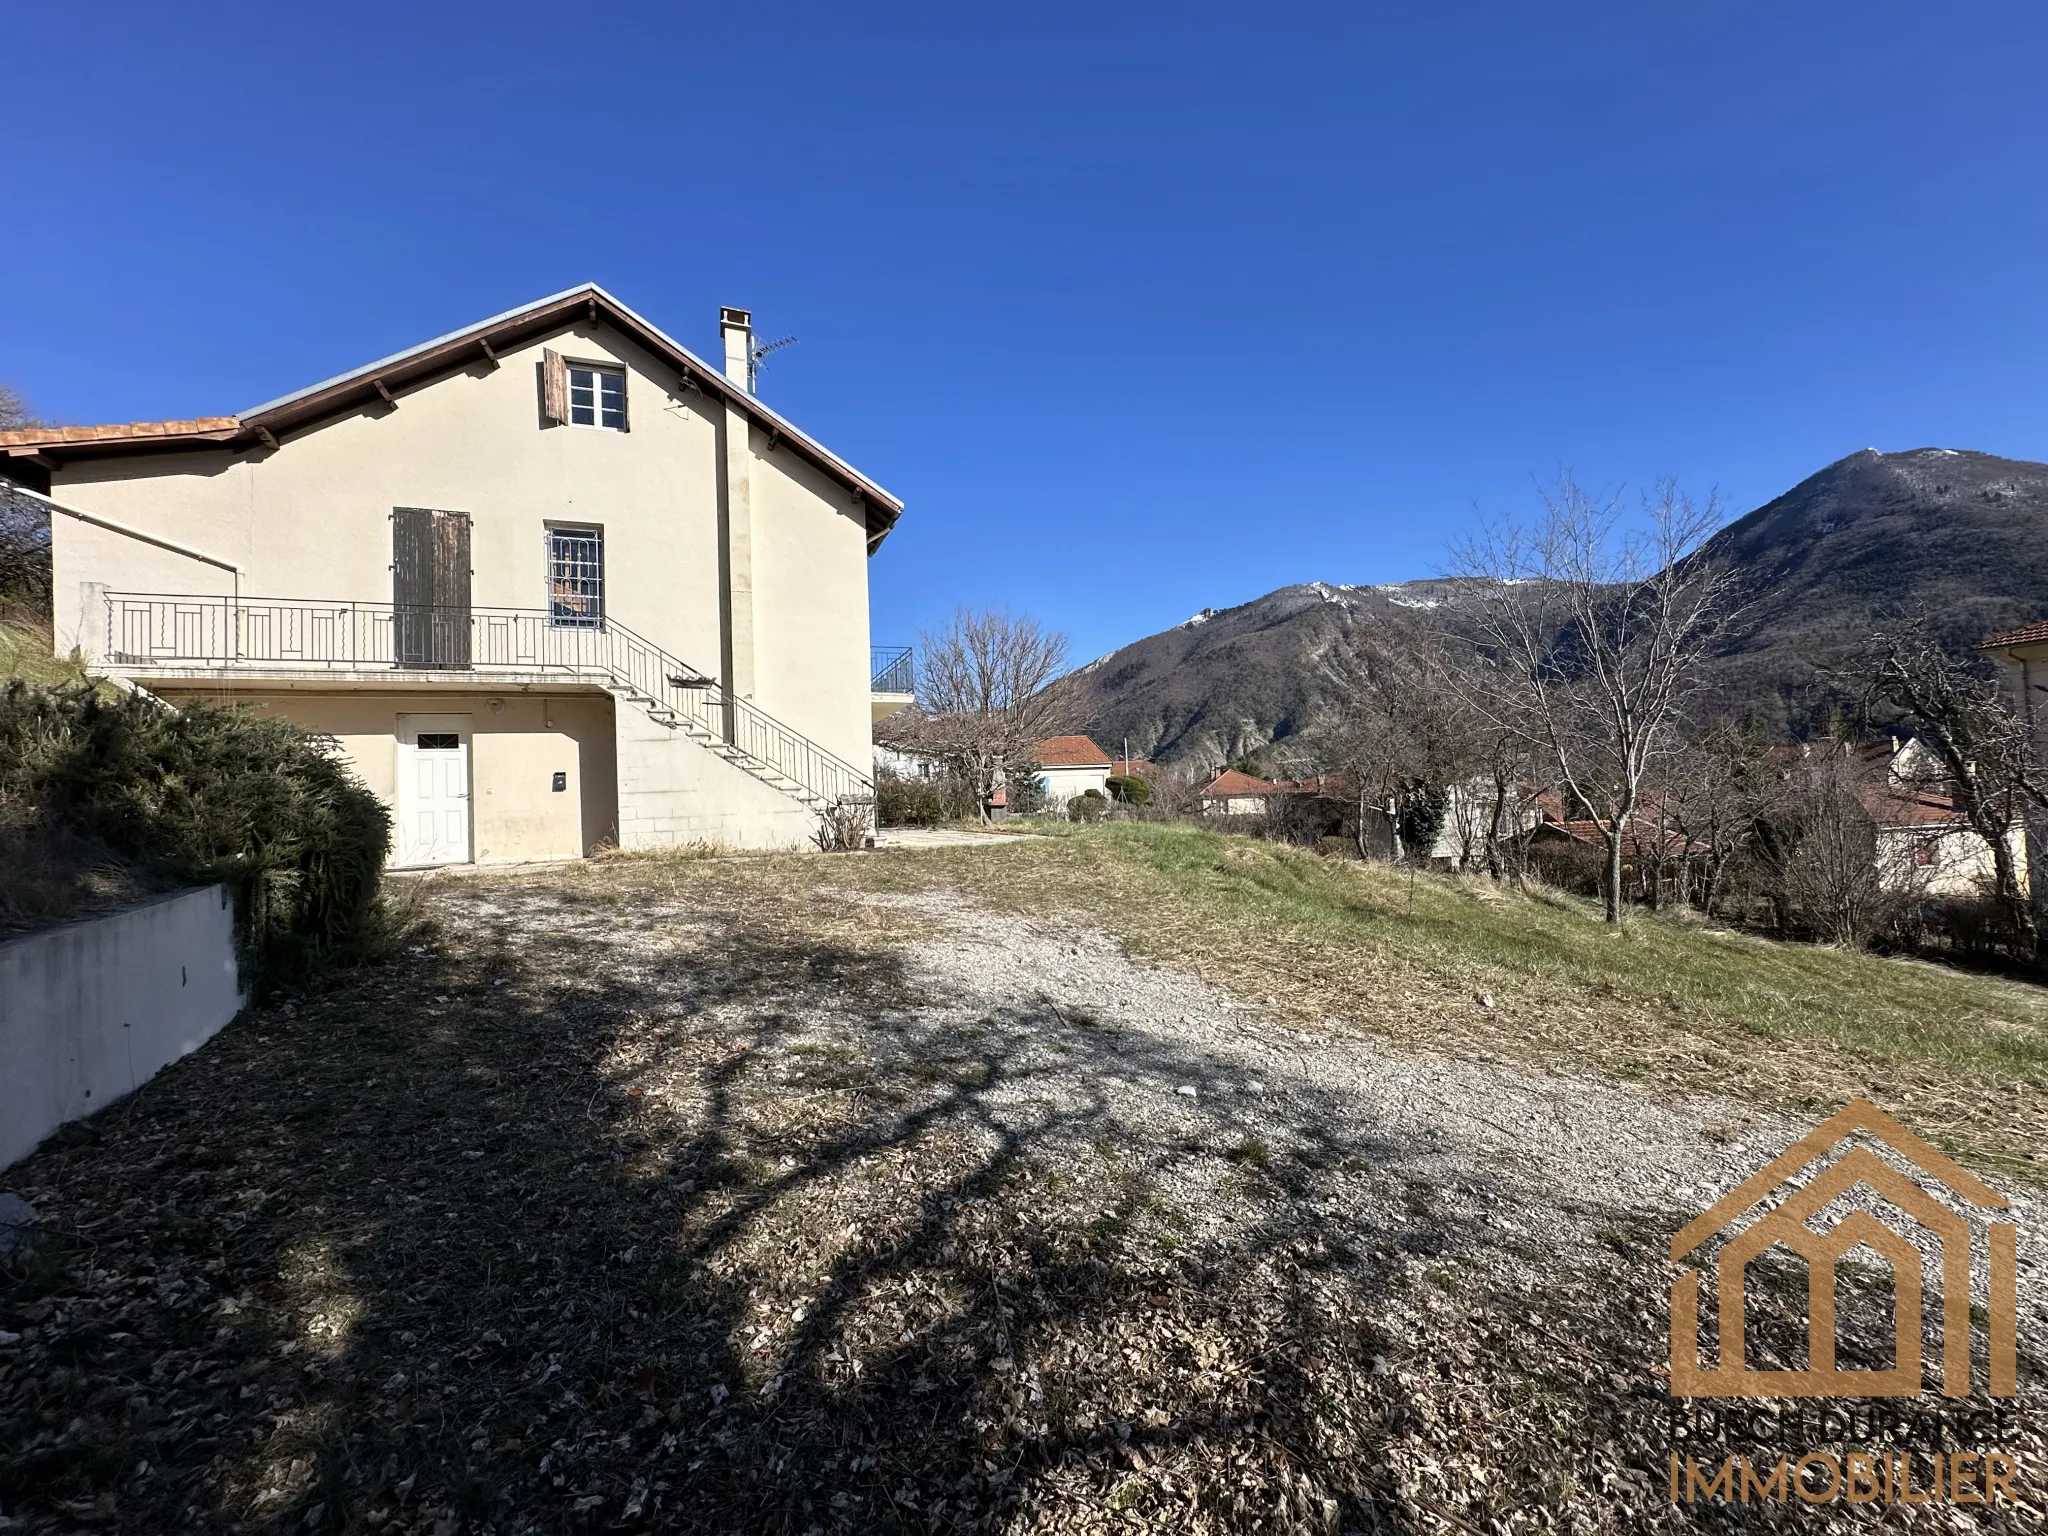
<point>576,578</point>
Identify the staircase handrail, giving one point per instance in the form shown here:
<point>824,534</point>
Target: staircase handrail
<point>165,628</point>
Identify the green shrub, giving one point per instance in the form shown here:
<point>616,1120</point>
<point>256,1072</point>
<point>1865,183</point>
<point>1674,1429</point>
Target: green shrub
<point>1420,809</point>
<point>1129,789</point>
<point>903,802</point>
<point>195,795</point>
<point>1023,789</point>
<point>1089,805</point>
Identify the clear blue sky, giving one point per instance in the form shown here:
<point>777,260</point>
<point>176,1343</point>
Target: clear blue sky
<point>1142,309</point>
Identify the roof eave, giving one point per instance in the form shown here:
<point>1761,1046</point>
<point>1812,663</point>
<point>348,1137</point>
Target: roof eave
<point>475,345</point>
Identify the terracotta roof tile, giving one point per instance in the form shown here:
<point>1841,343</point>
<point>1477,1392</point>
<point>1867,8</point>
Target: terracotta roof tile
<point>2026,634</point>
<point>1231,782</point>
<point>1071,752</point>
<point>39,437</point>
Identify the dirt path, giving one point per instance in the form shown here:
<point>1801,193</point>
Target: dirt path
<point>706,1206</point>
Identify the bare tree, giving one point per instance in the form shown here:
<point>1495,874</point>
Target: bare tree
<point>1820,852</point>
<point>14,410</point>
<point>1978,750</point>
<point>985,697</point>
<point>24,532</point>
<point>1399,728</point>
<point>1592,638</point>
<point>1714,789</point>
<point>1176,793</point>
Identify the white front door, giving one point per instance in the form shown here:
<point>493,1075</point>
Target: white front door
<point>433,789</point>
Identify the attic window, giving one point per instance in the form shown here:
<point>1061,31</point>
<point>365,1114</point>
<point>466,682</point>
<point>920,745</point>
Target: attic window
<point>597,397</point>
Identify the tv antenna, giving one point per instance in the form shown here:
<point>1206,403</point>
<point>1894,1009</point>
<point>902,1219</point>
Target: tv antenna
<point>755,356</point>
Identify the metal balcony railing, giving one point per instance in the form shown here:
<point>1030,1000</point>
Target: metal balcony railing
<point>156,629</point>
<point>894,668</point>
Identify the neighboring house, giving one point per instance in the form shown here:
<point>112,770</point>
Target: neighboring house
<point>1232,793</point>
<point>2024,653</point>
<point>1134,768</point>
<point>1653,857</point>
<point>1070,767</point>
<point>551,581</point>
<point>907,765</point>
<point>1923,842</point>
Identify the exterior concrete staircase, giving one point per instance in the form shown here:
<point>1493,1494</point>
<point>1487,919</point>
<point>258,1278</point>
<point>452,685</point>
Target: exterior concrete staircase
<point>236,633</point>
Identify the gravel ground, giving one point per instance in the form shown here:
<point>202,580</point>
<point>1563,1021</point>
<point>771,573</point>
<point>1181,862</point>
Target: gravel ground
<point>1539,1156</point>
<point>626,1199</point>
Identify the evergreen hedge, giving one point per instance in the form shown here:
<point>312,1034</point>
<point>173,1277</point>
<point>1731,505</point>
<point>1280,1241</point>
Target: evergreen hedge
<point>198,794</point>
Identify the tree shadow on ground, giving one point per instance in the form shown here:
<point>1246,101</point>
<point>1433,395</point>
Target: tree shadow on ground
<point>590,1215</point>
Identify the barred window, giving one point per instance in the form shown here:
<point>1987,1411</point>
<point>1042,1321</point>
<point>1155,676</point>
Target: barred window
<point>597,397</point>
<point>576,578</point>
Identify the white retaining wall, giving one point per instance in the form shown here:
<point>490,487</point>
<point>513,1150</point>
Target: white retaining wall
<point>95,1009</point>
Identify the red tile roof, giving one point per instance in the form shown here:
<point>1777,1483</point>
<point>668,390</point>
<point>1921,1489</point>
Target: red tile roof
<point>1071,752</point>
<point>1133,768</point>
<point>1338,784</point>
<point>1893,806</point>
<point>2026,634</point>
<point>45,437</point>
<point>1231,782</point>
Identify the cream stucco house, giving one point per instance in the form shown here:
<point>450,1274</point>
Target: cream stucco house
<point>1070,767</point>
<point>552,581</point>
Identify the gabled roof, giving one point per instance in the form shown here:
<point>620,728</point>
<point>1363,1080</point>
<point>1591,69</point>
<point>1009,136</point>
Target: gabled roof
<point>2026,634</point>
<point>1231,782</point>
<point>1071,752</point>
<point>263,425</point>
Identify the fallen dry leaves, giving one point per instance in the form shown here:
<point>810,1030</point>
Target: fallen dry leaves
<point>626,1201</point>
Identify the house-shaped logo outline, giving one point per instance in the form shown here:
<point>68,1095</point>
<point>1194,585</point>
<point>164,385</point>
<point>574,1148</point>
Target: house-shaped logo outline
<point>1786,1224</point>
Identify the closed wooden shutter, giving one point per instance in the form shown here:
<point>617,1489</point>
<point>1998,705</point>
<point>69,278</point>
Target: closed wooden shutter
<point>412,585</point>
<point>451,589</point>
<point>430,588</point>
<point>554,386</point>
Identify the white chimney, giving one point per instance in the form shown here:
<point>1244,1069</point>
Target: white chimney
<point>738,328</point>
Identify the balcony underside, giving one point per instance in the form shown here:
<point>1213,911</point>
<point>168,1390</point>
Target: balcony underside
<point>883,705</point>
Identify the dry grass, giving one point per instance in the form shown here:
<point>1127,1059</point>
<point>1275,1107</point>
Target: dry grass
<point>25,652</point>
<point>651,1195</point>
<point>1442,964</point>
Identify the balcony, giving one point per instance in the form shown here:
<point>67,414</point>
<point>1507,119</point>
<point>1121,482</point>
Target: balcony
<point>893,669</point>
<point>174,634</point>
<point>167,635</point>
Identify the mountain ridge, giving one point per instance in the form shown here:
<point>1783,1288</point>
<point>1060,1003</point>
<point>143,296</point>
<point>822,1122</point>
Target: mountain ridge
<point>1953,536</point>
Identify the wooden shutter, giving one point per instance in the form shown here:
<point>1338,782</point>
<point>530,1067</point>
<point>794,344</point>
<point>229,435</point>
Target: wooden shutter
<point>451,589</point>
<point>412,585</point>
<point>429,588</point>
<point>554,386</point>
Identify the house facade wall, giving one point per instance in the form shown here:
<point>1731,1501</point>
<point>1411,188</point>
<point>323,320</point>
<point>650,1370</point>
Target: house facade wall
<point>747,564</point>
<point>1070,783</point>
<point>518,741</point>
<point>1942,861</point>
<point>311,519</point>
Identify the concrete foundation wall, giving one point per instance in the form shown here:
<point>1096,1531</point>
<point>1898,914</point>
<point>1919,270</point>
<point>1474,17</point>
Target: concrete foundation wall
<point>519,739</point>
<point>674,791</point>
<point>91,1011</point>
